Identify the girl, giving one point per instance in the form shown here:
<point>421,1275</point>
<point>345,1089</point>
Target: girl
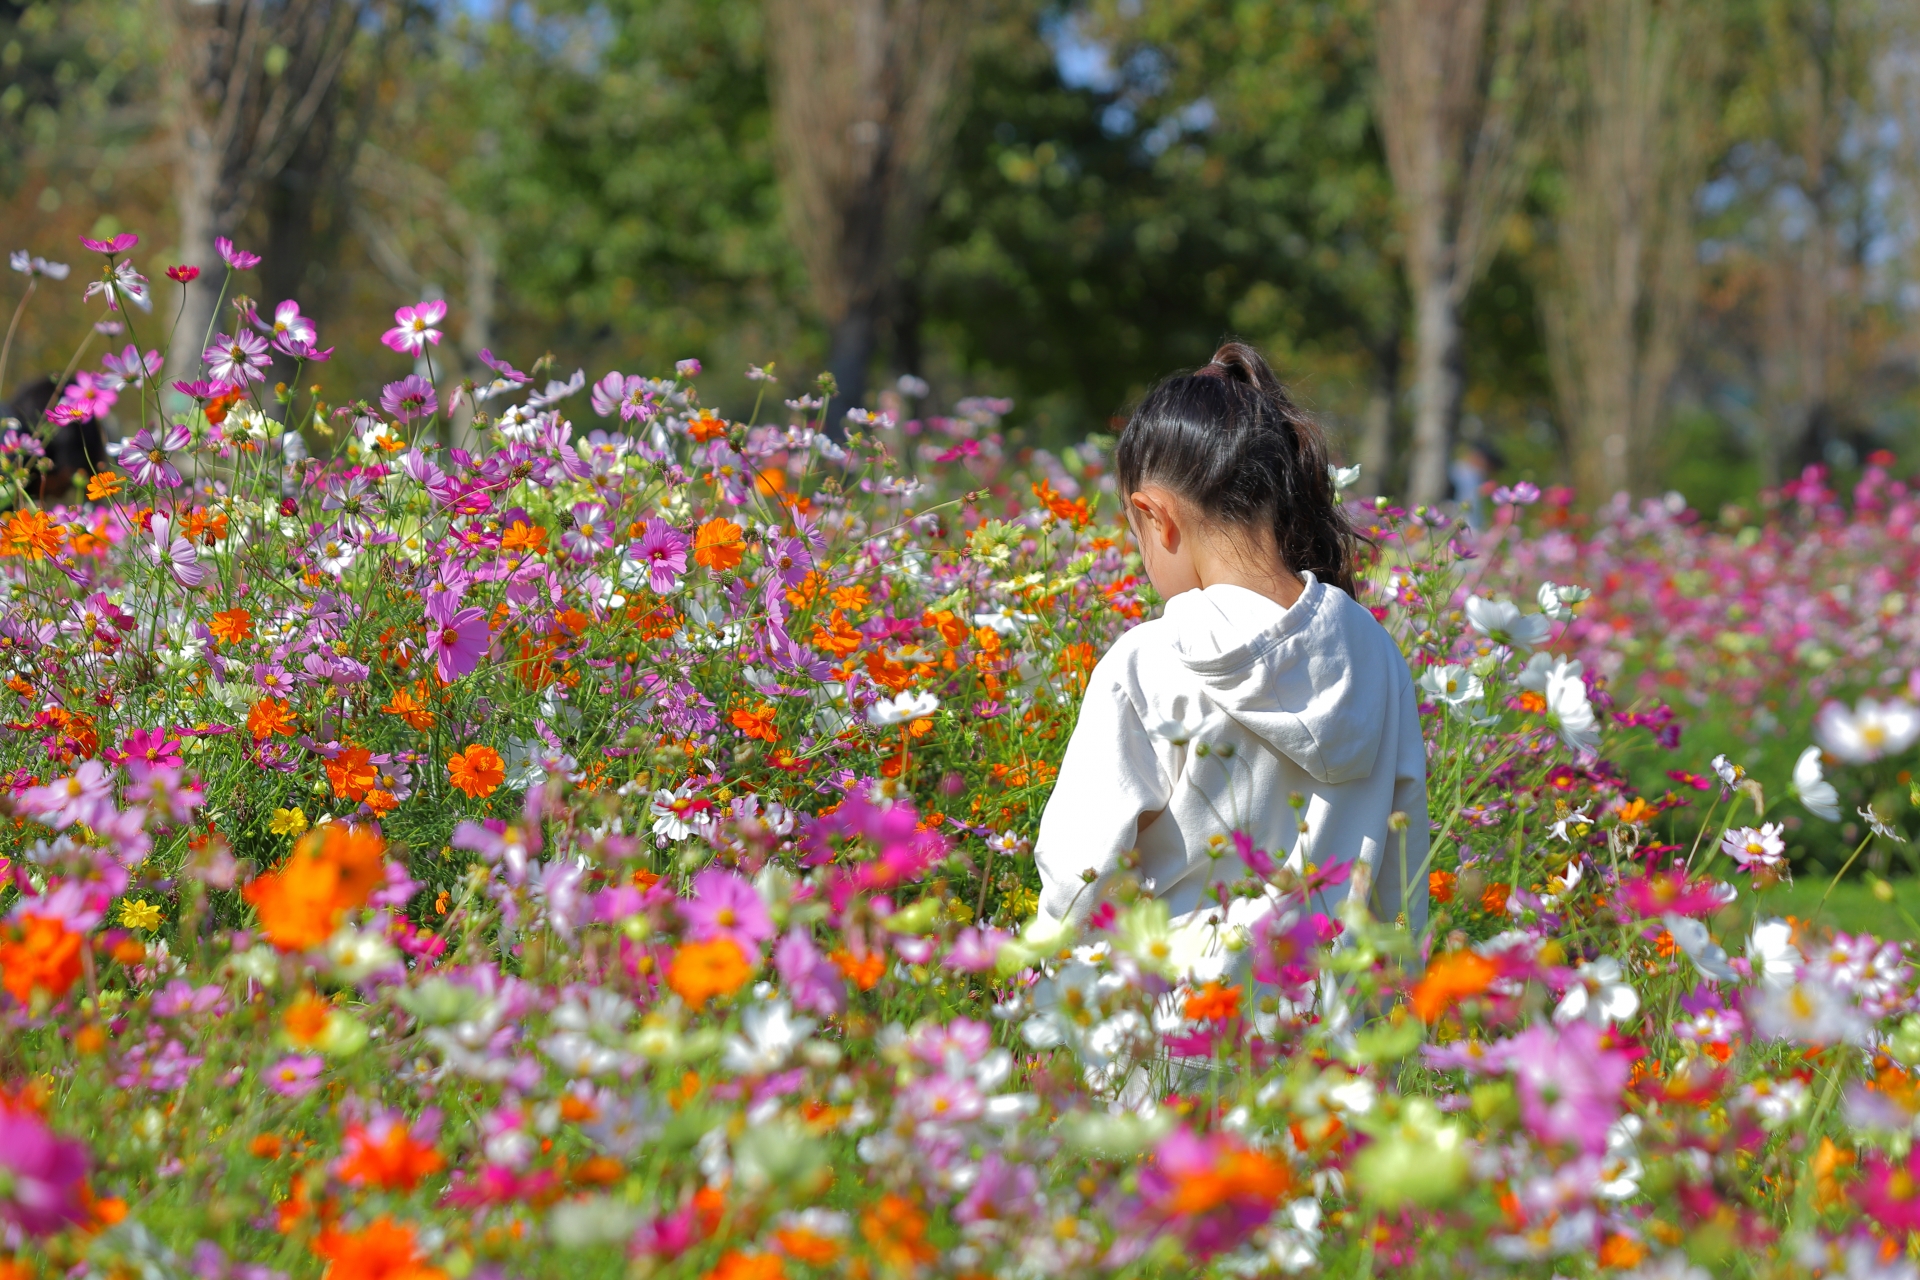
<point>1263,684</point>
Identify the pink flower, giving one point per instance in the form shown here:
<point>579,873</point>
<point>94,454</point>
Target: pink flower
<point>590,533</point>
<point>413,327</point>
<point>43,1187</point>
<point>626,395</point>
<point>296,1075</point>
<point>237,357</point>
<point>183,274</point>
<point>130,366</point>
<point>1890,1193</point>
<point>1285,941</point>
<point>663,550</point>
<point>688,368</point>
<point>410,399</point>
<point>810,979</point>
<point>149,459</point>
<point>1668,893</point>
<point>238,259</point>
<point>119,244</point>
<point>1212,1191</point>
<point>1569,1084</point>
<point>80,798</point>
<point>177,555</point>
<point>725,905</point>
<point>90,395</point>
<point>456,637</point>
<point>976,950</point>
<point>154,748</point>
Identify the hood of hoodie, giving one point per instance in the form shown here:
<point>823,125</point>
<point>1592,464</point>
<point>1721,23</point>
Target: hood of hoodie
<point>1313,682</point>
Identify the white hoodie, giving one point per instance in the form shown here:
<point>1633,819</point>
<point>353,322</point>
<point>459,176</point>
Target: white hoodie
<point>1314,699</point>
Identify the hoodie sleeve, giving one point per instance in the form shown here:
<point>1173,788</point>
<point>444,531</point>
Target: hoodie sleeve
<point>1109,777</point>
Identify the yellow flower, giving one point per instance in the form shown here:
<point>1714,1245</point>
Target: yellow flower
<point>288,822</point>
<point>138,913</point>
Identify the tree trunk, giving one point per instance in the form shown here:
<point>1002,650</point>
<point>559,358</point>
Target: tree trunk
<point>1436,390</point>
<point>1376,427</point>
<point>196,195</point>
<point>849,358</point>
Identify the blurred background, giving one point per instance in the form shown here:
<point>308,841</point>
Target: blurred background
<point>1620,244</point>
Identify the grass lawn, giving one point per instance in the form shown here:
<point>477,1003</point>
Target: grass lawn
<point>1853,908</point>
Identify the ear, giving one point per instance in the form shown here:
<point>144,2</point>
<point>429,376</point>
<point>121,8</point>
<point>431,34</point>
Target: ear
<point>1158,516</point>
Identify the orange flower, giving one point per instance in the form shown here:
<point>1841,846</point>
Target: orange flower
<point>735,1265</point>
<point>862,971</point>
<point>268,717</point>
<point>407,705</point>
<point>853,598</point>
<point>1440,886</point>
<point>531,539</point>
<point>381,1250</point>
<point>33,534</point>
<point>898,1233</point>
<point>233,626</point>
<point>266,1146</point>
<point>332,871</point>
<point>836,637</point>
<point>1532,703</point>
<point>1214,1003</point>
<point>1061,509</point>
<point>392,1162</point>
<point>478,771</point>
<point>717,544</point>
<point>1637,811</point>
<point>892,676</point>
<point>757,723</point>
<point>1621,1253</point>
<point>803,1245</point>
<point>706,426</point>
<point>306,1021</point>
<point>1240,1174</point>
<point>42,954</point>
<point>952,630</point>
<point>352,773</point>
<point>1451,978</point>
<point>103,486</point>
<point>702,970</point>
<point>1493,899</point>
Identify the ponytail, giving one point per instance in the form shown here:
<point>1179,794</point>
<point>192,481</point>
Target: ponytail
<point>1229,439</point>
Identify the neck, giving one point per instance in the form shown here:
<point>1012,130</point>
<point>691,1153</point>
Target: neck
<point>1258,569</point>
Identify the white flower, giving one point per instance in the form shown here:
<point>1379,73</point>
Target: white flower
<point>1344,478</point>
<point>1452,684</point>
<point>1502,622</point>
<point>1879,826</point>
<point>580,1055</point>
<point>770,1035</point>
<point>1771,953</point>
<point>1808,1010</point>
<point>1556,602</point>
<point>1811,785</point>
<point>1601,996</point>
<point>1868,731</point>
<point>355,953</point>
<point>669,812</point>
<point>1573,825</point>
<point>1730,773</point>
<point>1534,675</point>
<point>1708,956</point>
<point>901,709</point>
<point>1753,847</point>
<point>1566,695</point>
<point>1186,721</point>
<point>1775,1102</point>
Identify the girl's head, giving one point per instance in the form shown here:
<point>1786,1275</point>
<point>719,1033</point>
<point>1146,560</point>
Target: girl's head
<point>1222,462</point>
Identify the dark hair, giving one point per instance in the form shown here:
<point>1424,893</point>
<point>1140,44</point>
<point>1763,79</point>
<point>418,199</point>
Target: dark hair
<point>1229,439</point>
<point>74,449</point>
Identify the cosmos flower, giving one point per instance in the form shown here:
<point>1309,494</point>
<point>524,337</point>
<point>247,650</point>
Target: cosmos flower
<point>237,358</point>
<point>662,553</point>
<point>42,1175</point>
<point>410,399</point>
<point>1811,785</point>
<point>1502,622</point>
<point>457,638</point>
<point>413,327</point>
<point>238,259</point>
<point>723,905</point>
<point>1868,731</point>
<point>1756,848</point>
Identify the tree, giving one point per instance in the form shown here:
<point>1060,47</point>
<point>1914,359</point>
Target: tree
<point>863,94</point>
<point>1454,100</point>
<point>1634,135</point>
<point>247,84</point>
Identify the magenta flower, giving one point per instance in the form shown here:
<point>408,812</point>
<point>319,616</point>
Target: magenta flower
<point>1890,1193</point>
<point>238,259</point>
<point>155,748</point>
<point>1569,1084</point>
<point>42,1176</point>
<point>725,905</point>
<point>120,283</point>
<point>1212,1191</point>
<point>810,979</point>
<point>456,637</point>
<point>150,461</point>
<point>296,1075</point>
<point>90,395</point>
<point>501,367</point>
<point>175,554</point>
<point>410,399</point>
<point>1668,893</point>
<point>976,950</point>
<point>413,327</point>
<point>662,549</point>
<point>119,244</point>
<point>237,357</point>
<point>202,390</point>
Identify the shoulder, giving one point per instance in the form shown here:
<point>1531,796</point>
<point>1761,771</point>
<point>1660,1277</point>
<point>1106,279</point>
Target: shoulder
<point>1124,671</point>
<point>1341,621</point>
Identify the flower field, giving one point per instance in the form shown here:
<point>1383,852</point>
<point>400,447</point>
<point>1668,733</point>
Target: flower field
<point>543,827</point>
